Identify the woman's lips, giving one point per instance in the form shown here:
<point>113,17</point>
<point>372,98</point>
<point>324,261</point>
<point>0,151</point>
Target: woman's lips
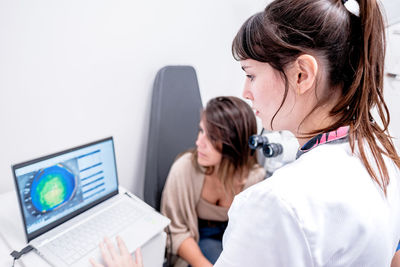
<point>201,155</point>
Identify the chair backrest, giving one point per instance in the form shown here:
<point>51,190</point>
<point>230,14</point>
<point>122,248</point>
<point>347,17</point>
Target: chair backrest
<point>174,119</point>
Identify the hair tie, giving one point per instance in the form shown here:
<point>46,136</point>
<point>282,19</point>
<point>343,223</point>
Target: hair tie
<point>352,6</point>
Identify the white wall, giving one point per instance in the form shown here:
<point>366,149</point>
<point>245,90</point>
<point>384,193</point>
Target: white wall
<point>391,85</point>
<point>392,11</point>
<point>75,71</point>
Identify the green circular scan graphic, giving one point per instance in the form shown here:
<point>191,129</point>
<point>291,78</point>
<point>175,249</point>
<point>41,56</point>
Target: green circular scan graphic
<point>52,187</point>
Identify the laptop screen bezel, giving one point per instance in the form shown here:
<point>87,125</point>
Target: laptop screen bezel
<point>46,228</point>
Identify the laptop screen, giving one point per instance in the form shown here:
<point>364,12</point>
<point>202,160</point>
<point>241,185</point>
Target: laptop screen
<point>57,187</point>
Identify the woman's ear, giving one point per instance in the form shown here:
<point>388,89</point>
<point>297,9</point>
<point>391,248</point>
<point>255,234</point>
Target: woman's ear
<point>305,69</point>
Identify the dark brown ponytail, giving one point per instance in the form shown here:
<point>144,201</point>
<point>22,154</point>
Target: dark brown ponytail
<point>366,93</point>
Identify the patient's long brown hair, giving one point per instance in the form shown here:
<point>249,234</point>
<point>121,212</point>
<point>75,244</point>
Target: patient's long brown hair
<point>229,122</point>
<point>353,48</point>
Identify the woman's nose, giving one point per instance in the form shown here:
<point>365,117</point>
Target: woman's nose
<point>199,141</point>
<point>246,92</point>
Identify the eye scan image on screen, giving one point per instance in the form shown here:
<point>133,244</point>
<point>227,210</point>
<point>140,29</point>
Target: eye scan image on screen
<point>53,188</point>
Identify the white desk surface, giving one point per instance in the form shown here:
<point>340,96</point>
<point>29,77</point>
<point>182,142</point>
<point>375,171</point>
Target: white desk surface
<point>12,237</point>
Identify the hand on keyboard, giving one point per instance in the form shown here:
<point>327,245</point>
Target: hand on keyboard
<point>114,259</point>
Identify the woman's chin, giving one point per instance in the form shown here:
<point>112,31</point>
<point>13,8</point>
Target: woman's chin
<point>203,162</point>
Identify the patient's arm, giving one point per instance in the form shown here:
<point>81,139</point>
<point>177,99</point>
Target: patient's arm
<point>190,251</point>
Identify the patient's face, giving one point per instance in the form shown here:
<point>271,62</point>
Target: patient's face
<point>207,155</point>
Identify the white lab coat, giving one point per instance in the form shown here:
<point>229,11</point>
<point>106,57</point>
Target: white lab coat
<point>321,210</point>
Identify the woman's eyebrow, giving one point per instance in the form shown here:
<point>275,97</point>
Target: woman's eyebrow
<point>245,67</point>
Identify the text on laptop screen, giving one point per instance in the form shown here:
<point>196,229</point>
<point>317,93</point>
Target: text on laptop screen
<point>55,187</point>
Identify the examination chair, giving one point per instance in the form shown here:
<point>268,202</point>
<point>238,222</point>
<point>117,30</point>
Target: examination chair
<point>174,122</point>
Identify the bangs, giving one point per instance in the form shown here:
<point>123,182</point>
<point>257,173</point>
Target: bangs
<point>248,39</point>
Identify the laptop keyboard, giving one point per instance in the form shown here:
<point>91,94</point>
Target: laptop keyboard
<point>80,240</point>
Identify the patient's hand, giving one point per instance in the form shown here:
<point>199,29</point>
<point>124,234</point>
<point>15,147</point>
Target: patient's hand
<point>114,259</point>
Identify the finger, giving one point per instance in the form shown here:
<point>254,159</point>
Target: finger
<point>138,255</point>
<point>105,255</point>
<point>122,247</point>
<point>95,263</point>
<point>111,249</point>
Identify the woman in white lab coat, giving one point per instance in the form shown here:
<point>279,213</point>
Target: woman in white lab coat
<point>315,68</point>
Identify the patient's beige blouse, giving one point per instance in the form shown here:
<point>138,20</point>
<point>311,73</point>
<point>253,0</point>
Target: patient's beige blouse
<point>181,196</point>
<point>207,211</point>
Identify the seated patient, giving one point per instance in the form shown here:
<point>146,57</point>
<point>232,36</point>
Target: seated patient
<point>202,183</point>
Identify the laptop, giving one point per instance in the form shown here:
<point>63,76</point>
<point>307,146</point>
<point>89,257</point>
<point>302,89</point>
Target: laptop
<point>70,200</point>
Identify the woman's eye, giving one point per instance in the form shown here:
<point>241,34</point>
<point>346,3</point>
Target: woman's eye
<point>250,77</point>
